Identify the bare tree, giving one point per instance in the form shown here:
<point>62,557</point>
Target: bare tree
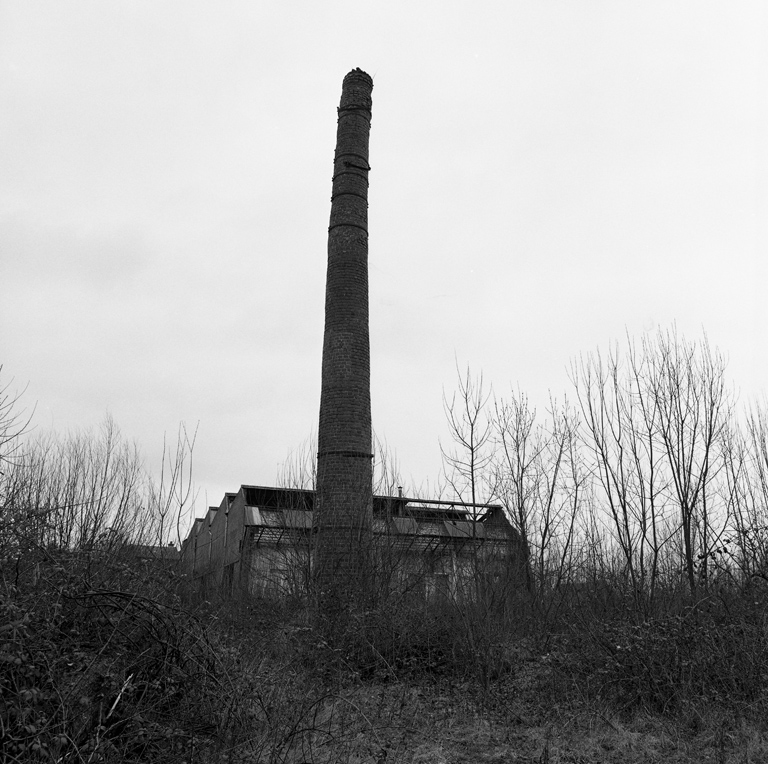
<point>745,492</point>
<point>620,433</point>
<point>470,428</point>
<point>539,477</point>
<point>82,489</point>
<point>654,423</point>
<point>172,495</point>
<point>387,480</point>
<point>519,467</point>
<point>299,468</point>
<point>687,384</point>
<point>14,422</point>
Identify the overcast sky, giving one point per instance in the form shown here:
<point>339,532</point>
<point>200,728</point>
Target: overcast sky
<point>546,176</point>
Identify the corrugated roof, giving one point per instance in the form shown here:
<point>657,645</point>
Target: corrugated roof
<point>464,530</point>
<point>297,518</point>
<point>405,525</point>
<point>276,518</point>
<point>271,518</point>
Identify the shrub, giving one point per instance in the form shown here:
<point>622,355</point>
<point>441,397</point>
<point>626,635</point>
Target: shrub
<point>663,663</point>
<point>101,674</point>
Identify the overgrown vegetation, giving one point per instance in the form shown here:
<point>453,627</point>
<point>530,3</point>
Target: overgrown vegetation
<point>638,633</point>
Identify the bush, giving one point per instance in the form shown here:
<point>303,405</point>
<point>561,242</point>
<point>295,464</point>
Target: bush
<point>101,674</point>
<point>665,663</point>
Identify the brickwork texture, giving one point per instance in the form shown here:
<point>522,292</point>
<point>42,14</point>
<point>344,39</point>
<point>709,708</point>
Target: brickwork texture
<point>344,459</point>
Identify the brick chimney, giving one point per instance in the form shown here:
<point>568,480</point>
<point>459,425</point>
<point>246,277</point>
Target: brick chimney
<point>344,458</point>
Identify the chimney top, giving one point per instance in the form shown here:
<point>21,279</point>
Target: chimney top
<point>359,73</point>
<point>356,92</point>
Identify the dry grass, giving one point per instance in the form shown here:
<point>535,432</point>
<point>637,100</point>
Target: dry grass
<point>97,673</point>
<point>442,723</point>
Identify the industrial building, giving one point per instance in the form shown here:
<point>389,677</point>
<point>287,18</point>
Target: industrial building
<point>259,542</point>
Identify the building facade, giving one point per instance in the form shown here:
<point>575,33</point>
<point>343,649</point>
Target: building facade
<point>259,542</point>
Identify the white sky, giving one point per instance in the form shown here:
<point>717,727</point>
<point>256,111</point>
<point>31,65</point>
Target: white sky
<point>546,175</point>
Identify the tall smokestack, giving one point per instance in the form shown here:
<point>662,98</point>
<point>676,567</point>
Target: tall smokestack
<point>344,459</point>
